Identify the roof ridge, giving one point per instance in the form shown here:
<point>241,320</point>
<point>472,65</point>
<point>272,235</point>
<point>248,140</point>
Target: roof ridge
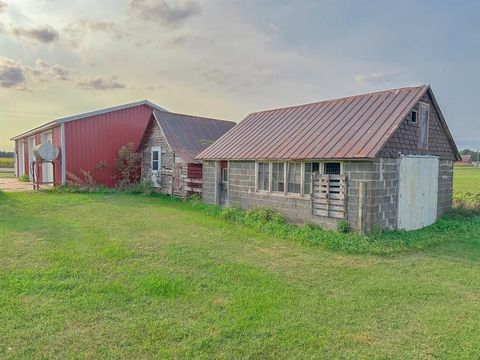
<point>340,98</point>
<point>199,117</point>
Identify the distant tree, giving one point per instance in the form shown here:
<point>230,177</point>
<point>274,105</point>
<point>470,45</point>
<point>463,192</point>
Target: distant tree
<point>7,154</point>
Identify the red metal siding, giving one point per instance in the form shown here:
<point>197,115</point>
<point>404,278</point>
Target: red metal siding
<point>95,139</point>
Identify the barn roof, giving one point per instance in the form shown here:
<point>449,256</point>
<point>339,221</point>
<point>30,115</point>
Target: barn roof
<point>189,135</point>
<point>62,120</point>
<point>351,127</point>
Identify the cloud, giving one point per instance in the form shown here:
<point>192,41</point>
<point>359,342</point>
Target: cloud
<point>3,7</point>
<point>57,72</point>
<point>79,30</point>
<point>99,83</point>
<point>162,11</point>
<point>376,78</point>
<point>12,74</point>
<point>44,34</point>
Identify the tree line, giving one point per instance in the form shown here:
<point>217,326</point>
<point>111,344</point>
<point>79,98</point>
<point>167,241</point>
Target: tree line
<point>6,154</point>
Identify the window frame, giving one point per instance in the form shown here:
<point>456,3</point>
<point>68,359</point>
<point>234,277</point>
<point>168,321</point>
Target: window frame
<point>416,117</point>
<point>287,178</point>
<point>324,163</point>
<point>159,160</point>
<point>305,175</point>
<point>257,178</point>
<point>271,177</point>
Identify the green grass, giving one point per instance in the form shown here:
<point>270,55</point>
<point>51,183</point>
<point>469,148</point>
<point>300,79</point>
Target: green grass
<point>125,276</point>
<point>466,179</point>
<point>7,162</point>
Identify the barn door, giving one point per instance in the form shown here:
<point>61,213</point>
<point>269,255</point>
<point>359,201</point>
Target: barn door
<point>177,178</point>
<point>418,191</point>
<point>329,195</point>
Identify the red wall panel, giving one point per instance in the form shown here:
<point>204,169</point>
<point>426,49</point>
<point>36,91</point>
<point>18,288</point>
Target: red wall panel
<point>96,139</point>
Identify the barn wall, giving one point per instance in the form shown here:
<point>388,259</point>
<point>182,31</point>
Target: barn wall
<point>405,138</point>
<point>95,140</point>
<point>208,182</point>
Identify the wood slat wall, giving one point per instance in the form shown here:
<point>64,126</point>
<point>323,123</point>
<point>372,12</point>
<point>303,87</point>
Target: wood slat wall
<point>329,195</point>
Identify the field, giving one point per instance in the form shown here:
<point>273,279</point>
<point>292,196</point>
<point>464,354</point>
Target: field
<point>7,162</point>
<point>129,276</point>
<point>466,179</point>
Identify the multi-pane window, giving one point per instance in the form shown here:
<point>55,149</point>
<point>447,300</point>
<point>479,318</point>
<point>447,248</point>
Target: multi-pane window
<point>294,177</point>
<point>262,176</point>
<point>310,168</point>
<point>155,160</point>
<point>278,177</point>
<point>332,168</point>
<point>423,134</point>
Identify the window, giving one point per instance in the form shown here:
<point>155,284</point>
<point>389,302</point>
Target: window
<point>413,117</point>
<point>310,168</point>
<point>155,159</point>
<point>262,176</point>
<point>225,175</point>
<point>423,133</point>
<point>278,177</point>
<point>332,168</point>
<point>294,177</point>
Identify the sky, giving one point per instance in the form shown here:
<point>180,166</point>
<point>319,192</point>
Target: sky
<point>226,58</point>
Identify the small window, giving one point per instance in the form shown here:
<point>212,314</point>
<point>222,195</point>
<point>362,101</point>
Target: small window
<point>413,117</point>
<point>155,160</point>
<point>310,168</point>
<point>294,177</point>
<point>225,175</point>
<point>278,176</point>
<point>332,168</point>
<point>262,176</point>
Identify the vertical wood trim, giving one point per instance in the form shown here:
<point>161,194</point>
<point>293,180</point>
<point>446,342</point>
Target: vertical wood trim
<point>285,178</point>
<point>302,178</point>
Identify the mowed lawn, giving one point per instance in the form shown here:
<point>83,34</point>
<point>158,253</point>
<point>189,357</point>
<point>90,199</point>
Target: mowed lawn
<point>128,276</point>
<point>466,179</point>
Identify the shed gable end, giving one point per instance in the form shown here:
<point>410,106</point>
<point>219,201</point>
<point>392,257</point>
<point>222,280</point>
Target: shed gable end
<point>405,139</point>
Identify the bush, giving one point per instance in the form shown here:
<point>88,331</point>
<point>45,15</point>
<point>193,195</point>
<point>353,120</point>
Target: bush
<point>264,215</point>
<point>127,166</point>
<point>343,226</point>
<point>84,183</point>
<point>145,187</point>
<point>466,201</point>
<point>24,178</point>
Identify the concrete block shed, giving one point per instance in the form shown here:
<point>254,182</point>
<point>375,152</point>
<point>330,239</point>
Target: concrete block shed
<point>379,159</point>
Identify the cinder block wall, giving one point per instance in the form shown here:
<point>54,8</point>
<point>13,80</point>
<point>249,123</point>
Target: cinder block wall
<point>208,182</point>
<point>445,186</point>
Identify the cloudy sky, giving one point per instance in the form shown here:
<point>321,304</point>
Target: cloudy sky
<point>224,59</point>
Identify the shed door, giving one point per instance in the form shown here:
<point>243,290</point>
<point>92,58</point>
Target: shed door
<point>21,158</point>
<point>418,191</point>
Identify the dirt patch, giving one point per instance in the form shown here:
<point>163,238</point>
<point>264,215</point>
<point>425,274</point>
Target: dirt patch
<point>13,185</point>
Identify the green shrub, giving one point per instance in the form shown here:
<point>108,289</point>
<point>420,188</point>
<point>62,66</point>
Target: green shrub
<point>264,215</point>
<point>24,178</point>
<point>466,201</point>
<point>343,226</point>
<point>145,187</point>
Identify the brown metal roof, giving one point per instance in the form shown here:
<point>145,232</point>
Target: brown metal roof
<point>189,135</point>
<point>352,127</point>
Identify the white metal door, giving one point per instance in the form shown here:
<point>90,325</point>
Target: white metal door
<point>418,191</point>
<point>47,168</point>
<point>156,165</point>
<point>31,145</point>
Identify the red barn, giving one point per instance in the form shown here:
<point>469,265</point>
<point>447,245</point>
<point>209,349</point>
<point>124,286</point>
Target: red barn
<point>88,141</point>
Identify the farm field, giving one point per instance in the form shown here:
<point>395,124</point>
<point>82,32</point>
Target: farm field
<point>129,276</point>
<point>6,162</point>
<point>466,179</point>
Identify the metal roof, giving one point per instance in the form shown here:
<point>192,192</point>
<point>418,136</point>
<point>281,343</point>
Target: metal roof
<point>351,127</point>
<point>62,120</point>
<point>189,135</point>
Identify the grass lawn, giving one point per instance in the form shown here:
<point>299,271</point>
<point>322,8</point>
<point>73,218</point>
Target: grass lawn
<point>466,179</point>
<point>125,276</point>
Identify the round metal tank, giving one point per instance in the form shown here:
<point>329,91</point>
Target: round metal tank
<point>45,151</point>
